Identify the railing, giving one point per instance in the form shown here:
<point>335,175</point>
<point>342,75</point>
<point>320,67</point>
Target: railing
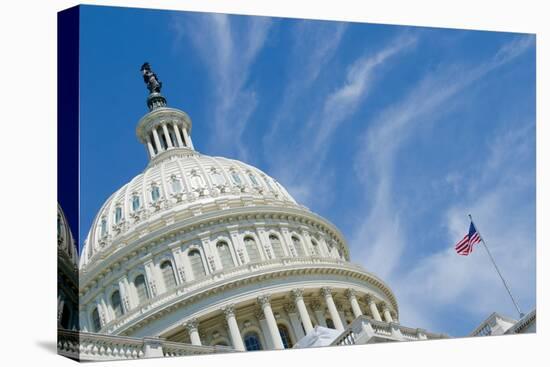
<point>217,277</point>
<point>365,330</point>
<point>85,346</point>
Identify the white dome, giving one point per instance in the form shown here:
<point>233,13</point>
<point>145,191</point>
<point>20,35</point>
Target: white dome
<point>182,181</point>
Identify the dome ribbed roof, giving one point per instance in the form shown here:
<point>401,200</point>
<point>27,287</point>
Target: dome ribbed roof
<point>183,180</point>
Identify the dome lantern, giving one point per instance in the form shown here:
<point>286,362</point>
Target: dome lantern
<point>162,129</point>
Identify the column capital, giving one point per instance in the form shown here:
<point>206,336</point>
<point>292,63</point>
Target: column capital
<point>229,311</point>
<point>370,298</point>
<point>326,291</point>
<point>297,293</point>
<point>191,325</point>
<point>351,293</point>
<point>264,300</point>
<point>290,308</point>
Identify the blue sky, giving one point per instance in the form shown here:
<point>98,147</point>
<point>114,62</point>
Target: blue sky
<point>392,133</point>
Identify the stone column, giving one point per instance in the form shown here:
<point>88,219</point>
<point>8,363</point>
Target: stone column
<point>264,302</point>
<point>187,139</point>
<point>373,308</point>
<point>178,135</point>
<point>352,296</point>
<point>157,141</point>
<point>265,330</point>
<point>327,293</point>
<point>192,327</point>
<point>236,339</point>
<point>167,136</point>
<point>319,313</point>
<point>386,313</point>
<point>150,147</point>
<point>298,296</point>
<point>290,309</point>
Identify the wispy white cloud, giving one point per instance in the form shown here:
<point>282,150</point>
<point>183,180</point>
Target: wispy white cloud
<point>429,284</point>
<point>314,45</point>
<point>306,173</point>
<point>229,50</point>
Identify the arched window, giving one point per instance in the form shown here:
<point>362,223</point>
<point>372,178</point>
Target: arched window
<point>196,264</point>
<point>135,203</point>
<point>118,214</point>
<point>155,193</point>
<point>117,304</point>
<point>285,336</point>
<point>276,246</point>
<point>340,254</point>
<point>252,249</point>
<point>298,246</point>
<point>225,255</point>
<point>168,274</point>
<point>330,324</point>
<point>96,322</point>
<point>141,288</point>
<point>252,341</point>
<point>316,249</point>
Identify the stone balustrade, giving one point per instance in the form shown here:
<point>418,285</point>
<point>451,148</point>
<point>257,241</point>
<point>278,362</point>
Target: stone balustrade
<point>365,330</point>
<point>85,346</point>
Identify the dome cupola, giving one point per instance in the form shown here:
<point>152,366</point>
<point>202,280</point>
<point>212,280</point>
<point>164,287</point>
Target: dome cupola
<point>164,129</point>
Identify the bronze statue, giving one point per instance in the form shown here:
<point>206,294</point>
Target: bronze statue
<point>150,78</point>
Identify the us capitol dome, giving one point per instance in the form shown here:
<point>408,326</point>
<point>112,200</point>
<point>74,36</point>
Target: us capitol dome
<point>211,251</point>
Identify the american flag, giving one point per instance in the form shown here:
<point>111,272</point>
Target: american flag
<point>466,245</point>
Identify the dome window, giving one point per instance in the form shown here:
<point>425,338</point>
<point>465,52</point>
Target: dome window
<point>196,180</point>
<point>116,303</point>
<point>176,185</point>
<point>225,255</point>
<point>168,274</point>
<point>316,250</point>
<point>236,178</point>
<point>251,249</point>
<point>103,228</point>
<point>118,214</point>
<point>141,288</point>
<point>155,194</point>
<point>298,246</point>
<point>136,203</point>
<point>253,179</point>
<point>276,246</point>
<point>196,264</point>
<point>268,184</point>
<point>217,178</point>
<point>96,321</point>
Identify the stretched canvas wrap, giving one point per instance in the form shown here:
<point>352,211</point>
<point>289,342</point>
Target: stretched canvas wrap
<point>233,183</point>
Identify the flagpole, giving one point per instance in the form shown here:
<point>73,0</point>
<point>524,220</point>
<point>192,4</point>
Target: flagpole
<point>496,267</point>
